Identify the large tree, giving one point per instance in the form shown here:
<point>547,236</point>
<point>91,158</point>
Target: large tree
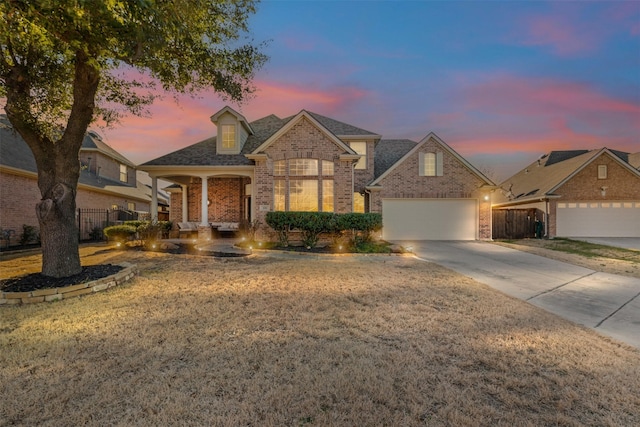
<point>66,63</point>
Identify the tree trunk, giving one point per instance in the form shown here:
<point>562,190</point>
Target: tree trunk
<point>59,232</point>
<point>57,162</point>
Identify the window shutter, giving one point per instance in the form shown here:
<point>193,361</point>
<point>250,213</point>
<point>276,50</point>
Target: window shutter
<point>439,164</point>
<point>421,162</point>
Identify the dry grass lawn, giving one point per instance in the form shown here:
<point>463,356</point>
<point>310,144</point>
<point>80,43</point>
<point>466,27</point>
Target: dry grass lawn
<point>266,341</point>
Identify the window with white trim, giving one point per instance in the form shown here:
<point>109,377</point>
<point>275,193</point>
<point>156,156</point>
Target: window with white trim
<point>123,173</point>
<point>228,137</point>
<point>303,185</point>
<point>431,164</point>
<point>360,148</point>
<point>602,171</point>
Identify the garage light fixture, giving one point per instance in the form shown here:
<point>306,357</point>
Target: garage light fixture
<point>603,191</point>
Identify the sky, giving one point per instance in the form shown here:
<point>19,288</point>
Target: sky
<point>501,82</point>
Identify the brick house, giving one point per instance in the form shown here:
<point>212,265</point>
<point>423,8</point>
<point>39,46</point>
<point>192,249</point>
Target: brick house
<point>579,193</point>
<point>107,180</point>
<point>309,162</point>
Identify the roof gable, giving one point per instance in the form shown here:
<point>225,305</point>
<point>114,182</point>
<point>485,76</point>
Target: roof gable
<point>239,117</point>
<point>433,137</point>
<point>302,115</point>
<point>543,177</point>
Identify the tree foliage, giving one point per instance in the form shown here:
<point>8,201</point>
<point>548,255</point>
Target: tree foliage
<point>66,63</point>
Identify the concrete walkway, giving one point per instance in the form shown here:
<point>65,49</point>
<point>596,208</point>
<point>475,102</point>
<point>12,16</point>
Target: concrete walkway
<point>605,302</point>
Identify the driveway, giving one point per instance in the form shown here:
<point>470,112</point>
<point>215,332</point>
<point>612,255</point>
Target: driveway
<point>605,302</point>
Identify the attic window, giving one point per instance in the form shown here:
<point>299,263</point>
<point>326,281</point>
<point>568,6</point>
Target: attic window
<point>431,164</point>
<point>602,171</point>
<point>123,173</point>
<point>228,137</point>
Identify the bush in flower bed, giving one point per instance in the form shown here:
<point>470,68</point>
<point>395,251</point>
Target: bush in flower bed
<point>120,233</point>
<point>358,226</point>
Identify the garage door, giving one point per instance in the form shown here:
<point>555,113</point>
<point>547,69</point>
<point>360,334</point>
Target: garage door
<point>598,219</point>
<point>429,219</point>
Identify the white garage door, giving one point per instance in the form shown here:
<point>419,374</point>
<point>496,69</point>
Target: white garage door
<point>598,219</point>
<point>429,219</point>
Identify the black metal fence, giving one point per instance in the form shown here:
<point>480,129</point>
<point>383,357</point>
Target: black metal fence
<point>91,222</point>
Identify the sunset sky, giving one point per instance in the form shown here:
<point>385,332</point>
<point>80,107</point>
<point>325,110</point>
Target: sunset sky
<point>501,82</point>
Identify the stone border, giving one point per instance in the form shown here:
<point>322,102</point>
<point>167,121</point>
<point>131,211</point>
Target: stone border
<point>55,294</point>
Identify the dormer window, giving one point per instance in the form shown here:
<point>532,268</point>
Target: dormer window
<point>228,137</point>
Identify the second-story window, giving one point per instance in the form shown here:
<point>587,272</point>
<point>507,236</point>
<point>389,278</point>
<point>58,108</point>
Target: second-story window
<point>123,173</point>
<point>228,137</point>
<point>360,148</point>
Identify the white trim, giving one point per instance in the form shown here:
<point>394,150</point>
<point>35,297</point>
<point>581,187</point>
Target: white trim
<point>303,115</point>
<point>444,145</point>
<point>214,118</point>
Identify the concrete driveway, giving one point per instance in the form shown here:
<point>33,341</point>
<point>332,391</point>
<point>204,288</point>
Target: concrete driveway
<point>605,302</point>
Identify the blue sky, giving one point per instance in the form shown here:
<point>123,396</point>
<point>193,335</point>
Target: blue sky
<point>501,82</point>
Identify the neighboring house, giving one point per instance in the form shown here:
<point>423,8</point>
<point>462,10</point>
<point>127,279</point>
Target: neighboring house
<point>580,193</point>
<point>107,180</point>
<point>308,162</point>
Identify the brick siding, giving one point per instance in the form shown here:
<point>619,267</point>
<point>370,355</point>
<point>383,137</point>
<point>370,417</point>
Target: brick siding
<point>20,194</point>
<point>621,185</point>
<point>457,182</point>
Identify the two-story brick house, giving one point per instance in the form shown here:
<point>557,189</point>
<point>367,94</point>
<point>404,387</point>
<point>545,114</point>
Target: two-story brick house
<point>107,180</point>
<point>309,162</point>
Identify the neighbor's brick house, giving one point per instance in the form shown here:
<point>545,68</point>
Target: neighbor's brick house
<point>579,193</point>
<point>107,180</point>
<point>309,162</point>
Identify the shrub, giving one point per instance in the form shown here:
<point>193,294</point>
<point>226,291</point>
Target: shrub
<point>96,233</point>
<point>149,232</point>
<point>360,226</point>
<point>120,232</point>
<point>30,234</point>
<point>281,223</point>
<point>311,225</point>
<point>249,229</point>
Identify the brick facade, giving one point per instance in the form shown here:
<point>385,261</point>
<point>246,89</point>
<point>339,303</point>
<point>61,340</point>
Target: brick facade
<point>622,185</point>
<point>303,140</point>
<point>20,194</point>
<point>457,182</point>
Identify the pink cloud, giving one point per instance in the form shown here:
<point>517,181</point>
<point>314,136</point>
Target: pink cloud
<point>563,36</point>
<point>173,126</point>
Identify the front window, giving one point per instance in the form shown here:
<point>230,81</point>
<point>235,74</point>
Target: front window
<point>303,195</point>
<point>303,185</point>
<point>123,173</point>
<point>131,206</point>
<point>279,186</point>
<point>228,136</point>
<point>358,203</point>
<point>360,148</point>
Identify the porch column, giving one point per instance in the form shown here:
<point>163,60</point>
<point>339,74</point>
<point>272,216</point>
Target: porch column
<point>185,206</point>
<point>253,198</point>
<point>154,198</point>
<point>204,208</point>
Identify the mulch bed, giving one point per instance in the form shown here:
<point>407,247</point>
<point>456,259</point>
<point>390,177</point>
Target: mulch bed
<point>35,281</point>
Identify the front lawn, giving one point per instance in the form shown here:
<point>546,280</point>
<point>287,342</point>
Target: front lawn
<point>268,341</point>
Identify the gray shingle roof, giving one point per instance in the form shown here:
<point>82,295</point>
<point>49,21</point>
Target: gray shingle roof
<point>15,153</point>
<point>388,152</point>
<point>204,153</point>
<point>339,128</point>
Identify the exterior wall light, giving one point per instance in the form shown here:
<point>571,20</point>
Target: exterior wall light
<point>603,191</point>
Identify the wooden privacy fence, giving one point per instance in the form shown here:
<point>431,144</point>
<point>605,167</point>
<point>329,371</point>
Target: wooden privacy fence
<point>518,223</point>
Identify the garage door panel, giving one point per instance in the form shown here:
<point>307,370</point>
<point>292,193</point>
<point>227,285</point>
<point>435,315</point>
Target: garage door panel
<point>420,219</point>
<point>598,219</point>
